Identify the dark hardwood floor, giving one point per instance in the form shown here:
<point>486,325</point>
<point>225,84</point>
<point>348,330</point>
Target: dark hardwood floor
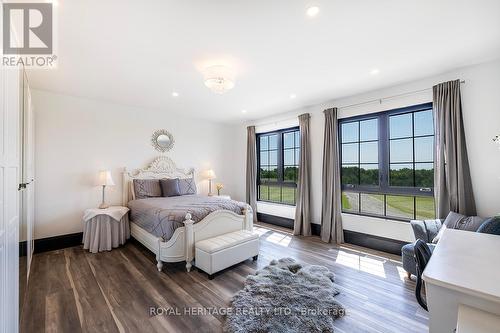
<point>71,290</point>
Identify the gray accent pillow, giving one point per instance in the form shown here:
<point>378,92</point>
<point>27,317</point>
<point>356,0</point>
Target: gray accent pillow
<point>187,186</point>
<point>147,188</point>
<point>170,187</point>
<point>490,226</point>
<point>460,222</point>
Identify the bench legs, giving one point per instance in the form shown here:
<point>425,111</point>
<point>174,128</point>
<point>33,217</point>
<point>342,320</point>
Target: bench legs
<point>159,265</point>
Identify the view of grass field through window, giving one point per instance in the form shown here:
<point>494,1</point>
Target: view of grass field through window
<point>277,194</point>
<point>278,165</point>
<point>398,206</point>
<point>387,164</point>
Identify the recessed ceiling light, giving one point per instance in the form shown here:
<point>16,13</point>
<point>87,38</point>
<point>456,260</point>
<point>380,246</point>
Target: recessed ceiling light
<point>175,94</point>
<point>293,96</point>
<point>243,111</point>
<point>312,11</point>
<point>374,71</point>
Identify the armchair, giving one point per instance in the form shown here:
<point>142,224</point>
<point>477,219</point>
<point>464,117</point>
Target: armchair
<point>425,230</point>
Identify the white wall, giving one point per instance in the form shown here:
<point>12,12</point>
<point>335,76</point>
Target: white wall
<point>77,137</point>
<point>481,105</point>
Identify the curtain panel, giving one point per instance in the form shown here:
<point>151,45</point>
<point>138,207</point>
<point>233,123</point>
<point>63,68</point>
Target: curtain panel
<point>452,181</point>
<point>302,224</point>
<point>331,218</point>
<point>251,170</point>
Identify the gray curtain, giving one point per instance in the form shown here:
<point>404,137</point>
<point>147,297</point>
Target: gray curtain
<point>302,225</point>
<point>452,181</point>
<point>331,219</point>
<point>251,188</point>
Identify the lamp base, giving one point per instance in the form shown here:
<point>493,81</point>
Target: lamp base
<point>103,206</point>
<point>210,194</point>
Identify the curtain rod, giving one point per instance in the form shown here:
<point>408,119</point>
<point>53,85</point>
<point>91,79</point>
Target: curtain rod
<point>357,104</point>
<point>388,97</point>
<point>276,122</point>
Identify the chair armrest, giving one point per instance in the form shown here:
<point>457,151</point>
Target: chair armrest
<point>426,230</point>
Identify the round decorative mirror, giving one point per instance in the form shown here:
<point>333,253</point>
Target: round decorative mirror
<point>162,140</point>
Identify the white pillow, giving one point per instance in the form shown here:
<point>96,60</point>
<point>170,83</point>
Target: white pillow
<point>439,234</point>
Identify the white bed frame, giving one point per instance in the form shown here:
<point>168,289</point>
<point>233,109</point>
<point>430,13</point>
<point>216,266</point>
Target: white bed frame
<point>181,246</point>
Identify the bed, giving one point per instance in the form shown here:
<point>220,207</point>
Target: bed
<point>169,227</point>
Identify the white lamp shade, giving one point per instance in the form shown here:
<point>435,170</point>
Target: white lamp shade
<point>211,174</point>
<point>105,178</point>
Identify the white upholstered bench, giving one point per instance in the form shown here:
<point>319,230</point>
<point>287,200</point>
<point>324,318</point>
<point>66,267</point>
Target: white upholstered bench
<point>217,253</point>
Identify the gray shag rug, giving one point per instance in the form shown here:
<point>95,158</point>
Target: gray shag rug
<point>286,297</point>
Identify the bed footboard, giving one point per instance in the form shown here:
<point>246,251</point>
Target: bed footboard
<point>217,223</point>
<point>181,246</point>
<point>189,226</point>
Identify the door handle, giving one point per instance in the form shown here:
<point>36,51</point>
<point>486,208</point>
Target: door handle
<point>22,186</point>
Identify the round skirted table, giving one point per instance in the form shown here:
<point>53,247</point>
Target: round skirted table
<point>104,229</point>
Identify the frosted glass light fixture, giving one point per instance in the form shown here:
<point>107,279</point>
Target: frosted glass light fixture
<point>312,11</point>
<point>219,79</point>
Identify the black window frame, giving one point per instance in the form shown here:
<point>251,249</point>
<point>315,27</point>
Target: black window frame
<point>384,188</point>
<point>280,182</point>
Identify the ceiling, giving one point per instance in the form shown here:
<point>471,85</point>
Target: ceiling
<point>139,52</point>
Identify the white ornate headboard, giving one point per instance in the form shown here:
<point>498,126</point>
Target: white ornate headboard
<point>161,167</point>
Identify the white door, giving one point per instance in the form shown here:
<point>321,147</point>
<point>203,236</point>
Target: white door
<point>28,168</point>
<point>9,199</point>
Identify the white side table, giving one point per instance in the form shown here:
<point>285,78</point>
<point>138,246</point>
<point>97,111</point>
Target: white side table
<point>104,229</point>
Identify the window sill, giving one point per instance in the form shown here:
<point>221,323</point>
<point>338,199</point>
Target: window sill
<point>276,209</point>
<point>378,226</point>
<point>275,203</point>
<point>383,218</point>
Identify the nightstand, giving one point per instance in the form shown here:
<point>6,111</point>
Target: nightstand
<point>222,196</point>
<point>104,229</point>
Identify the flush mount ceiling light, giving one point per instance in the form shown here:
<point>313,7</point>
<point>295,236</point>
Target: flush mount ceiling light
<point>219,79</point>
<point>312,11</point>
<point>374,71</point>
<point>293,96</point>
<point>175,94</point>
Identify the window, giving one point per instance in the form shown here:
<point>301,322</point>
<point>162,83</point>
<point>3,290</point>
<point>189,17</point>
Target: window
<point>278,165</point>
<point>388,163</point>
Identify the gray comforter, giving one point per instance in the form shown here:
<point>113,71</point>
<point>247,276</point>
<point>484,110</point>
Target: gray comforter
<point>161,216</point>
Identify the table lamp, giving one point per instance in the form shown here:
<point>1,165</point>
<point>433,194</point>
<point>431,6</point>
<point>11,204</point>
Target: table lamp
<point>105,180</point>
<point>210,175</point>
